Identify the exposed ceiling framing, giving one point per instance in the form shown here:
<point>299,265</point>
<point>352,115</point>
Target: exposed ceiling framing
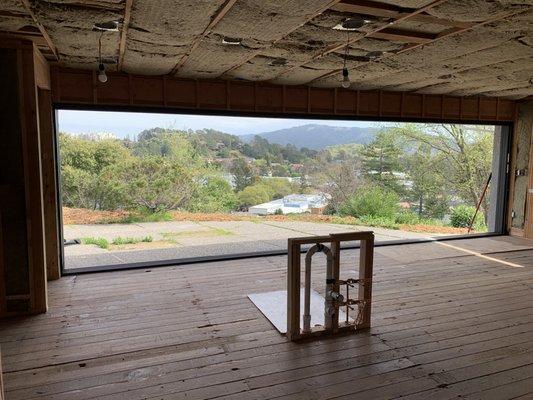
<point>413,44</point>
<point>256,53</point>
<point>216,18</point>
<point>417,45</point>
<point>380,32</point>
<point>123,33</point>
<point>42,29</point>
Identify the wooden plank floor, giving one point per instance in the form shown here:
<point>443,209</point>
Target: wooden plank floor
<point>446,324</point>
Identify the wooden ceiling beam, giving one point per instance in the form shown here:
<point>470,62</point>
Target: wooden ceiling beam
<point>124,33</point>
<point>402,35</point>
<point>456,31</point>
<point>14,14</point>
<point>430,19</point>
<point>38,40</point>
<point>257,52</point>
<point>53,49</point>
<point>222,11</point>
<point>447,33</point>
<point>341,45</point>
<point>366,7</point>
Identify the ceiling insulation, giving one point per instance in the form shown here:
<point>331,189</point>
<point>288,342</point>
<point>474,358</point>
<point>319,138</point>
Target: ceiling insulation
<point>12,6</point>
<point>454,47</point>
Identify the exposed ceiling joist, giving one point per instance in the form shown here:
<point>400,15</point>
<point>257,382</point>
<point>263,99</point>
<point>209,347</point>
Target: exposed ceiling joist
<point>44,33</point>
<point>38,40</point>
<point>430,19</point>
<point>13,14</point>
<point>215,20</point>
<point>368,8</point>
<point>402,35</point>
<point>97,5</point>
<point>124,33</point>
<point>257,52</point>
<point>456,31</point>
<point>440,36</point>
<point>339,46</point>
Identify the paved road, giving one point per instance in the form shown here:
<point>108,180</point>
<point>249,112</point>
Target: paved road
<point>178,240</point>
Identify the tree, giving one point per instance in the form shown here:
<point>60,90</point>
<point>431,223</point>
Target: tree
<point>463,157</point>
<point>214,195</point>
<point>373,201</point>
<point>85,166</point>
<point>427,187</point>
<point>252,195</point>
<point>242,173</point>
<point>341,181</point>
<point>156,183</point>
<point>381,160</point>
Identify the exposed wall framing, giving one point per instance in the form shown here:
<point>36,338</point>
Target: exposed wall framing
<point>50,193</point>
<point>24,277</point>
<point>80,87</point>
<point>520,209</point>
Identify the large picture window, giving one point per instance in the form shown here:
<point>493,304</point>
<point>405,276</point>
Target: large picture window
<point>140,188</point>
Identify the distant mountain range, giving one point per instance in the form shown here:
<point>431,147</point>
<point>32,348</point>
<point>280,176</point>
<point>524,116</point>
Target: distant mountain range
<point>317,137</point>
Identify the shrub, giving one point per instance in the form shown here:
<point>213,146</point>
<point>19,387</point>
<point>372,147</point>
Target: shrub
<point>143,215</point>
<point>407,217</point>
<point>129,240</point>
<point>253,195</point>
<point>100,242</point>
<point>279,211</point>
<point>382,222</point>
<point>371,202</point>
<point>214,195</point>
<point>157,184</point>
<point>462,216</point>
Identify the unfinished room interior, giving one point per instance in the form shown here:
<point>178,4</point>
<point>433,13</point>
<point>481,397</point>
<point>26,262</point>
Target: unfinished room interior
<point>387,253</point>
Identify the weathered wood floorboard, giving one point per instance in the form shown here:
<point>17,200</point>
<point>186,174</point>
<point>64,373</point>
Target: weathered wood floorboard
<point>445,323</point>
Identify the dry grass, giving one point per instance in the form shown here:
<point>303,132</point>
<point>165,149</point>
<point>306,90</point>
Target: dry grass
<point>83,216</point>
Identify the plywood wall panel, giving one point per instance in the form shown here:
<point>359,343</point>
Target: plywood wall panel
<point>346,102</point>
<point>180,93</point>
<point>433,106</point>
<point>115,92</point>
<point>369,103</point>
<point>322,101</point>
<point>391,104</point>
<point>470,108</point>
<point>212,95</point>
<point>506,110</point>
<point>146,91</point>
<point>451,107</point>
<point>413,105</point>
<point>488,108</point>
<point>269,98</point>
<point>296,99</point>
<point>241,97</point>
<point>72,87</point>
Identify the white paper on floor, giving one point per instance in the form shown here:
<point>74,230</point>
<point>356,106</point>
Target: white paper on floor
<point>273,305</point>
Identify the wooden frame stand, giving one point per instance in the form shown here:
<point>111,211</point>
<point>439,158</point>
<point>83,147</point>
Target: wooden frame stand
<point>334,300</point>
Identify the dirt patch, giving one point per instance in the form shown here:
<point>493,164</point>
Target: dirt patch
<point>434,229</point>
<point>201,217</point>
<point>82,216</point>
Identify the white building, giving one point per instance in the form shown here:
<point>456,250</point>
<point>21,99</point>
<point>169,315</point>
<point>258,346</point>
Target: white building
<point>291,204</point>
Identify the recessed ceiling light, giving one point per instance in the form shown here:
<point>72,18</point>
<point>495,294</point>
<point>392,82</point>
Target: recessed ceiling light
<point>231,41</point>
<point>350,24</point>
<point>108,26</point>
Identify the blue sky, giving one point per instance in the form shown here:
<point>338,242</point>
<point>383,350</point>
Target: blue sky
<point>130,123</point>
